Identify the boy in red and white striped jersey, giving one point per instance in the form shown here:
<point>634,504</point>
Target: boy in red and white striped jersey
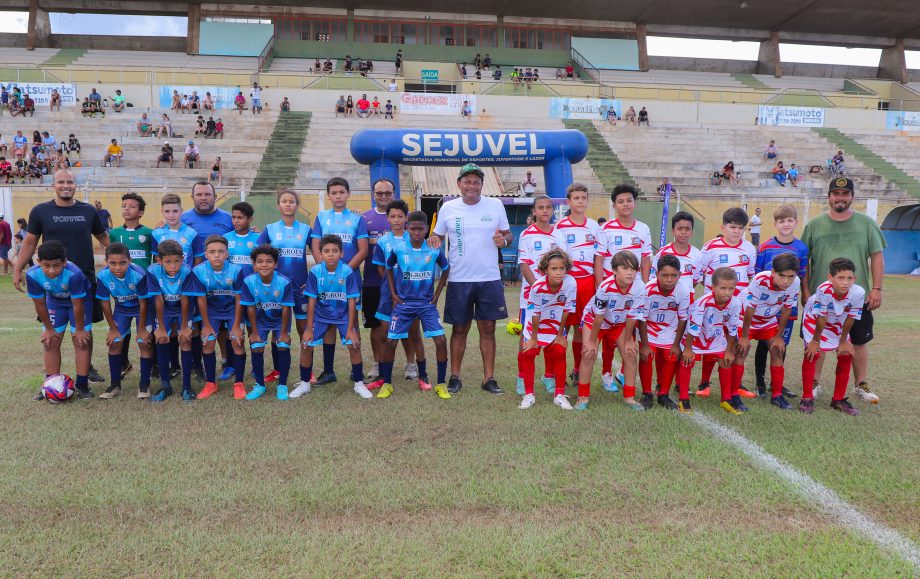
<point>689,256</point>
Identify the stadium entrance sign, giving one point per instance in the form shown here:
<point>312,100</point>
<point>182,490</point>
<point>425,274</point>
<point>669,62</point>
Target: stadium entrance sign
<point>790,116</point>
<point>384,150</point>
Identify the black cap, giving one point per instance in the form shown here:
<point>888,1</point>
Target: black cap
<point>841,184</point>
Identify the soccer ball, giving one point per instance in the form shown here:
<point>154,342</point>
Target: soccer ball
<point>514,328</point>
<point>58,388</point>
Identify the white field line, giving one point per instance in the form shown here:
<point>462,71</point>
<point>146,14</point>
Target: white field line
<point>846,514</point>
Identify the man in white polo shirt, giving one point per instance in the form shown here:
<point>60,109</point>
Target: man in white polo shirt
<point>476,227</point>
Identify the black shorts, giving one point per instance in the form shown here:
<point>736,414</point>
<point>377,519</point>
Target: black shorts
<point>861,332</point>
<point>370,299</point>
<point>97,305</point>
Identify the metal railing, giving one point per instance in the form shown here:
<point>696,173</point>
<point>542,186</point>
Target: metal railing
<point>265,55</point>
<point>588,68</point>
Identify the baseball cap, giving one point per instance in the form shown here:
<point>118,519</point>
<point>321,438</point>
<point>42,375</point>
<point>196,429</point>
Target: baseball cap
<point>841,184</point>
<point>470,168</point>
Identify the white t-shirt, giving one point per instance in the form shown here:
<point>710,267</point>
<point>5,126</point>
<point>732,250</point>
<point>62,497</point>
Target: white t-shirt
<point>469,229</point>
<point>256,93</point>
<point>393,87</point>
<point>755,224</point>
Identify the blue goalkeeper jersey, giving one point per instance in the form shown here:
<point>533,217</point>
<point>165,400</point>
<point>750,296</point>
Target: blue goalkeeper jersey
<point>347,225</point>
<point>332,290</point>
<point>191,242</point>
<point>171,289</point>
<point>269,299</point>
<point>414,270</point>
<point>293,245</point>
<point>58,291</point>
<point>219,287</point>
<point>239,248</point>
<point>127,291</point>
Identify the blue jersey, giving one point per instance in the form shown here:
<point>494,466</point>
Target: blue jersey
<point>192,243</point>
<point>771,248</point>
<point>292,244</point>
<point>269,299</point>
<point>218,222</point>
<point>59,291</point>
<point>382,250</point>
<point>239,248</point>
<point>332,290</point>
<point>348,225</point>
<point>127,291</point>
<point>220,288</point>
<point>171,289</point>
<point>414,271</point>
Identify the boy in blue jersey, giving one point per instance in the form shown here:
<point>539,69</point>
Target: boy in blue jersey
<point>175,316</point>
<point>126,284</point>
<point>411,269</point>
<point>351,228</point>
<point>268,298</point>
<point>216,284</point>
<point>786,219</point>
<point>60,293</point>
<point>333,289</point>
<point>292,240</point>
<point>188,238</point>
<point>240,243</point>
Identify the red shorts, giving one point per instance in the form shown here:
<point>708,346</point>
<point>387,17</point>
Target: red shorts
<point>606,336</point>
<point>583,297</point>
<point>765,334</point>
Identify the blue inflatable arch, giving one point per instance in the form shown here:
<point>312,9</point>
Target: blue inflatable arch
<point>384,150</point>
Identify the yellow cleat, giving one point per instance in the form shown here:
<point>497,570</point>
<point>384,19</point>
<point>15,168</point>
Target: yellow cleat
<point>441,391</point>
<point>727,407</point>
<point>385,391</point>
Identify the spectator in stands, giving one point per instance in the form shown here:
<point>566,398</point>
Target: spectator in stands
<point>191,155</point>
<point>497,75</point>
<point>569,70</point>
<point>536,75</point>
<point>393,86</point>
<point>560,74</point>
<point>20,168</point>
<point>754,225</point>
<point>165,129</point>
<point>15,107</point>
<point>36,141</point>
<point>42,159</point>
<point>463,70</point>
<point>375,105</point>
<point>487,62</point>
<point>478,74</point>
<point>4,98</point>
<point>95,97</point>
<point>770,151</point>
<point>631,118</point>
<point>729,174</point>
<point>240,102</point>
<point>398,60</point>
<point>4,147</point>
<point>62,160</point>
<point>839,164</point>
<point>529,184</point>
<point>477,61</point>
<point>388,110</point>
<point>349,65</point>
<point>34,172</point>
<point>48,141</point>
<point>349,106</point>
<point>199,126</point>
<point>256,96</point>
<point>340,106</point>
<point>209,128</point>
<point>666,189</point>
<point>194,101</point>
<point>528,76</point>
<point>643,117</point>
<point>216,172</point>
<point>285,105</point>
<point>104,215</point>
<point>118,102</point>
<point>612,116</point>
<point>186,105</point>
<point>20,144</point>
<point>793,175</point>
<point>176,101</point>
<point>466,110</point>
<point>219,128</point>
<point>6,170</point>
<point>208,104</point>
<point>55,99</point>
<point>364,106</point>
<point>73,145</point>
<point>113,154</point>
<point>28,106</point>
<point>327,66</point>
<point>166,155</point>
<point>317,67</point>
<point>779,173</point>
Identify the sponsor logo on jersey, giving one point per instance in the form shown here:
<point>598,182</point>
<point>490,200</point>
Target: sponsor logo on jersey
<point>570,238</point>
<point>416,275</point>
<point>340,296</point>
<point>723,258</point>
<point>294,252</point>
<point>618,240</point>
<point>538,245</point>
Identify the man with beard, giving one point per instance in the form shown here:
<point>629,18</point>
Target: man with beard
<point>842,232</point>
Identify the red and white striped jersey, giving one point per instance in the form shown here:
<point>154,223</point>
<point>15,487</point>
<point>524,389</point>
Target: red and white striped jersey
<point>711,324</point>
<point>549,305</point>
<point>580,242</point>
<point>615,306</point>
<point>532,244</point>
<point>616,237</point>
<point>837,309</point>
<point>741,258</point>
<point>768,300</point>
<point>663,312</point>
<point>690,272</point>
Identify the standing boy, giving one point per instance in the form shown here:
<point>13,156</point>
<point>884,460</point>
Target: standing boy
<point>682,224</point>
<point>175,229</point>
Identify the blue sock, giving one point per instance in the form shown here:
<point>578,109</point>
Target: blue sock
<point>442,371</point>
<point>422,369</point>
<point>82,382</point>
<point>305,373</point>
<point>115,369</point>
<point>174,353</point>
<point>258,367</point>
<point>283,366</point>
<point>328,358</point>
<point>357,372</point>
<point>210,367</point>
<point>275,357</point>
<point>146,368</point>
<point>163,357</point>
<point>386,371</point>
<point>187,362</point>
<point>196,351</point>
<point>239,366</point>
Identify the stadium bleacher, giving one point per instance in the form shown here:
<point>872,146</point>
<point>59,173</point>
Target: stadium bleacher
<point>176,60</point>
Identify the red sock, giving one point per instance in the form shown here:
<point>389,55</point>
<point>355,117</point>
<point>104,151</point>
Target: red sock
<point>808,377</point>
<point>683,381</point>
<point>526,364</point>
<point>628,391</point>
<point>777,375</point>
<point>665,372</point>
<point>645,372</point>
<point>737,376</point>
<point>607,356</point>
<point>584,390</point>
<point>726,381</point>
<point>576,355</point>
<point>708,365</point>
<point>842,376</point>
<point>555,365</point>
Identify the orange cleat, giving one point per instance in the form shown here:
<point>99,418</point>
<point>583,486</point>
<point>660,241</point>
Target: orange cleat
<point>375,384</point>
<point>745,393</point>
<point>239,391</point>
<point>209,389</point>
<point>702,391</point>
<point>423,385</point>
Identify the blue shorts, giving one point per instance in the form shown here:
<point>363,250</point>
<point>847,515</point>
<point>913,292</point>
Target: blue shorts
<point>256,103</point>
<point>474,300</point>
<point>173,325</point>
<point>61,317</point>
<point>220,324</point>
<point>123,322</point>
<point>319,330</point>
<point>384,307</point>
<point>406,313</point>
<point>300,305</point>
<point>787,331</point>
<point>263,339</point>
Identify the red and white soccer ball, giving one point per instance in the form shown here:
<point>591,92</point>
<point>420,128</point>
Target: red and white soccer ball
<point>58,388</point>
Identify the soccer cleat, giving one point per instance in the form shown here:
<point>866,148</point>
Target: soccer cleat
<point>684,407</point>
<point>581,406</point>
<point>385,390</point>
<point>85,394</point>
<point>272,376</point>
<point>424,385</point>
<point>94,377</point>
<point>174,373</point>
<point>38,397</point>
<point>161,395</point>
<point>549,383</point>
<point>787,393</point>
<point>761,390</point>
<point>362,391</point>
<point>780,403</point>
<point>745,393</point>
<point>300,389</point>
<point>844,406</point>
<point>110,392</point>
<point>226,373</point>
<point>125,370</point>
<point>372,374</point>
<point>188,394</point>
<point>816,389</point>
<point>527,401</point>
<point>737,404</point>
<point>608,382</point>
<point>573,378</point>
<point>454,384</point>
<point>206,392</point>
<point>257,392</point>
<point>411,372</point>
<point>633,405</point>
<point>619,380</point>
<point>519,388</point>
<point>702,390</point>
<point>865,393</point>
<point>492,387</point>
<point>562,401</point>
<point>143,394</point>
<point>375,384</point>
<point>326,378</point>
<point>665,400</point>
<point>239,391</point>
<point>198,373</point>
<point>441,391</point>
<point>281,393</point>
<point>648,401</point>
<point>727,407</point>
<point>807,405</point>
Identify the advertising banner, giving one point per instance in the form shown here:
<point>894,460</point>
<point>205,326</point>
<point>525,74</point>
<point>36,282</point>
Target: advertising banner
<point>420,103</point>
<point>223,95</point>
<point>579,108</point>
<point>902,121</point>
<point>41,92</point>
<point>790,116</point>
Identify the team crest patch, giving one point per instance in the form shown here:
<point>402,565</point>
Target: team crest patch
<point>618,240</point>
<point>589,238</point>
<point>538,245</point>
<point>672,304</point>
<point>765,296</point>
<point>723,258</point>
<point>142,238</point>
<point>743,259</point>
<point>628,304</point>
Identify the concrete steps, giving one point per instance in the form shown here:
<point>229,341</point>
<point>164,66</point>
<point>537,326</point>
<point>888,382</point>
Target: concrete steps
<point>281,159</point>
<point>871,159</point>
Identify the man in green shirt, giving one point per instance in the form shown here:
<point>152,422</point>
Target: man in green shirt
<point>841,232</point>
<point>118,102</point>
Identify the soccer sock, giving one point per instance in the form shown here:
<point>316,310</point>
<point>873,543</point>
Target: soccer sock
<point>554,357</point>
<point>576,355</point>
<point>284,365</point>
<point>737,376</point>
<point>125,348</point>
<point>306,372</point>
<point>584,389</point>
<point>725,382</point>
<point>82,383</point>
<point>174,353</point>
<point>231,355</point>
<point>683,381</point>
<point>328,358</point>
<point>842,376</point>
<point>665,372</point>
<point>526,367</point>
<point>607,357</point>
<point>196,352</point>
<point>629,390</point>
<point>808,377</point>
<point>115,369</point>
<point>210,367</point>
<point>760,361</point>
<point>777,375</point>
<point>357,372</point>
<point>239,366</point>
<point>146,368</point>
<point>258,367</point>
<point>386,371</point>
<point>708,365</point>
<point>275,361</point>
<point>442,371</point>
<point>422,369</point>
<point>187,362</point>
<point>163,355</point>
<point>645,373</point>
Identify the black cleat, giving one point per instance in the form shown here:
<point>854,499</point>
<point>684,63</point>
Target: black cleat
<point>788,393</point>
<point>94,377</point>
<point>491,386</point>
<point>125,370</point>
<point>761,390</point>
<point>326,378</point>
<point>648,401</point>
<point>665,400</point>
<point>85,394</point>
<point>737,404</point>
<point>38,397</point>
<point>454,384</point>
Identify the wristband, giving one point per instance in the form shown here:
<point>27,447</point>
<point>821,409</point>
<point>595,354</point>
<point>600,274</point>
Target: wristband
<point>877,288</point>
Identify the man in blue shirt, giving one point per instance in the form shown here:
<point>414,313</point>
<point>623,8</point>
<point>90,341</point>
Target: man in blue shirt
<point>205,217</point>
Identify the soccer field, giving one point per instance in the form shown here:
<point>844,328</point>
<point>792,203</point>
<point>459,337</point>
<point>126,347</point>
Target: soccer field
<point>332,485</point>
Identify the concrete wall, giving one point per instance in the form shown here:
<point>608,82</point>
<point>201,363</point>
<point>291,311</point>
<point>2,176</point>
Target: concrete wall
<point>828,70</point>
<point>234,38</point>
<point>151,43</point>
<point>12,40</point>
<point>609,53</point>
<point>750,67</point>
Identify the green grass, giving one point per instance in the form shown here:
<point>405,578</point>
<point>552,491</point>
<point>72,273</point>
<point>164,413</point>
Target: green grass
<point>330,485</point>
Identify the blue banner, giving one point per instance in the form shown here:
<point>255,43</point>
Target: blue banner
<point>223,95</point>
<point>580,108</point>
<point>664,216</point>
